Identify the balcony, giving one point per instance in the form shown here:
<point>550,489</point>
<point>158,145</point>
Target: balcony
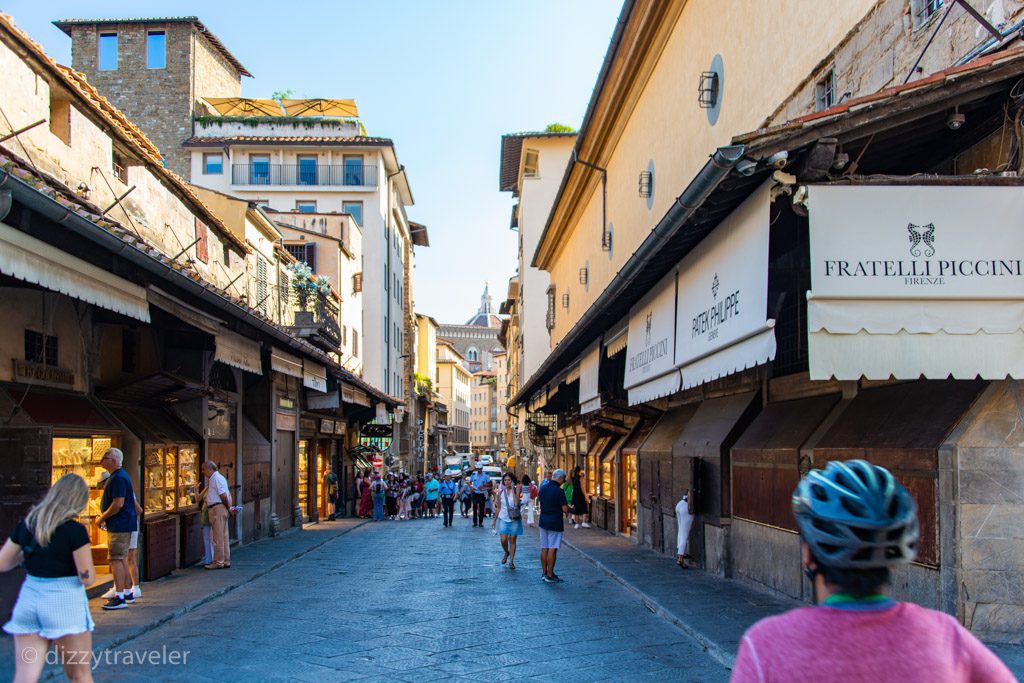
<point>322,175</point>
<point>319,326</point>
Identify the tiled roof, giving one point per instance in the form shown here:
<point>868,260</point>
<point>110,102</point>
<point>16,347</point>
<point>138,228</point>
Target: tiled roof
<point>511,148</point>
<point>66,24</point>
<point>216,141</point>
<point>59,192</point>
<point>884,96</point>
<point>119,125</point>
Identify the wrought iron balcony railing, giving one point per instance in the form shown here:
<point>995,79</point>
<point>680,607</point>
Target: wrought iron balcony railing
<point>364,175</point>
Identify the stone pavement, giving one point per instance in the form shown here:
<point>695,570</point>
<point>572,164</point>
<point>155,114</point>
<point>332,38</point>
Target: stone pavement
<point>714,611</point>
<point>414,601</point>
<point>187,589</point>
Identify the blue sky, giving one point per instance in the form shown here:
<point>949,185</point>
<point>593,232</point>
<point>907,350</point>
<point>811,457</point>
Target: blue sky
<point>443,78</point>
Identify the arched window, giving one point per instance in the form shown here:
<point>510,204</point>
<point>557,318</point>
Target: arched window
<point>472,355</point>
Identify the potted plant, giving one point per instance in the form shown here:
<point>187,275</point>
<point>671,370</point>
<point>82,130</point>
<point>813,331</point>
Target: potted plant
<point>303,286</point>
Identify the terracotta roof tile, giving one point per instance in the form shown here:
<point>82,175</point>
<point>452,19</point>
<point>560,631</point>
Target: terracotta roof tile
<point>208,141</point>
<point>121,126</point>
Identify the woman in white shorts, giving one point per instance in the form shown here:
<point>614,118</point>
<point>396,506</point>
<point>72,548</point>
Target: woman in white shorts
<point>52,606</point>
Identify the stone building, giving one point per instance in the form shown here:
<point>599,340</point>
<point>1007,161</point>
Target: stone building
<point>156,71</point>
<point>476,340</point>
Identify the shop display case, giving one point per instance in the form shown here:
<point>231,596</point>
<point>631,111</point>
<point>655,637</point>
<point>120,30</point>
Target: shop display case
<point>81,455</point>
<point>304,476</point>
<point>171,478</point>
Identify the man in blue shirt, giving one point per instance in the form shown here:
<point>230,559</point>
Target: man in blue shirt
<point>551,523</point>
<point>430,493</point>
<point>118,513</point>
<point>479,485</point>
<point>447,491</point>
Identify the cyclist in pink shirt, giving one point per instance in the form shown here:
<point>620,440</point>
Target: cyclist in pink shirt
<point>856,522</point>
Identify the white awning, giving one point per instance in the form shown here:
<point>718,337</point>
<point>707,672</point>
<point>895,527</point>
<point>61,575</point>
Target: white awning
<point>382,414</point>
<point>573,374</point>
<point>661,386</point>
<point>183,311</point>
<point>285,363</point>
<point>616,338</point>
<point>238,351</point>
<point>26,258</point>
<point>650,352</point>
<point>354,396</point>
<point>314,376</point>
<point>723,297</point>
<point>932,287</point>
<point>590,364</point>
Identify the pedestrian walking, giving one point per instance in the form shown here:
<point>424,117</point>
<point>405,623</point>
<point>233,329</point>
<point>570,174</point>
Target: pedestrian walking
<point>508,517</point>
<point>379,491</point>
<point>479,485</point>
<point>331,492</point>
<point>118,516</point>
<point>465,496</point>
<point>218,502</point>
<point>578,500</point>
<point>365,496</point>
<point>52,607</point>
<point>553,507</point>
<point>684,519</point>
<point>431,491</point>
<point>529,493</point>
<point>447,491</point>
<point>856,523</point>
<point>392,491</point>
<point>405,500</point>
<point>132,559</point>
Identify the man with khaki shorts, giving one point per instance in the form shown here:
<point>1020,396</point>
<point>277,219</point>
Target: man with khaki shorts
<point>119,516</point>
<point>218,503</point>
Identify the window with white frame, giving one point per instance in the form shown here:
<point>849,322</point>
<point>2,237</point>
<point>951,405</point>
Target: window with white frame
<point>922,11</point>
<point>213,163</point>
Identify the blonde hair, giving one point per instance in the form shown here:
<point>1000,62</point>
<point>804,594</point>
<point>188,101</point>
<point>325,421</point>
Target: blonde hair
<point>65,500</point>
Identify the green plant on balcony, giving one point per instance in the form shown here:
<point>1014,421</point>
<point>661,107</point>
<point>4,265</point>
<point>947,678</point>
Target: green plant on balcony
<point>306,286</point>
<point>424,385</point>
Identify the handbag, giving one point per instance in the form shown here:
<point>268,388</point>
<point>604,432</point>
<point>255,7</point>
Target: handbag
<point>514,513</point>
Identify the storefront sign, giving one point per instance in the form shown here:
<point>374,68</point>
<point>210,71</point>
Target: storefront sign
<point>920,242</point>
<point>314,376</point>
<point>327,426</point>
<point>650,366</point>
<point>723,297</point>
<point>45,375</point>
<point>238,352</point>
<point>916,281</point>
<point>285,422</point>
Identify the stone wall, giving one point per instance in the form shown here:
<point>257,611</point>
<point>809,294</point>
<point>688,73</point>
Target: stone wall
<point>881,50</point>
<point>990,506</point>
<point>159,101</point>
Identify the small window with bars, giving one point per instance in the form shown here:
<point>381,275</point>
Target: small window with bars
<point>305,253</point>
<point>924,10</point>
<point>40,348</point>
<point>119,168</point>
<point>825,91</point>
<point>549,320</point>
<point>357,283</point>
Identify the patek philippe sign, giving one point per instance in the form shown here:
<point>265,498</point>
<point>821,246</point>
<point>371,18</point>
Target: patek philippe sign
<point>723,283</point>
<point>652,334</point>
<point>916,242</point>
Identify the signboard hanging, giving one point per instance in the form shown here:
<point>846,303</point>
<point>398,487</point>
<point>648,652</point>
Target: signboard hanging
<point>650,366</point>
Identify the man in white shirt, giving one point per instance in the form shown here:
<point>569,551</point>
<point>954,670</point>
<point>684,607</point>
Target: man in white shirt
<point>218,502</point>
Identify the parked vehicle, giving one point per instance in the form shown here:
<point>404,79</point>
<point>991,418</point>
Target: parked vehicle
<point>453,465</point>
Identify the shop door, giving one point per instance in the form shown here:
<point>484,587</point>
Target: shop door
<point>284,478</point>
<point>321,470</point>
<point>304,491</point>
<point>629,492</point>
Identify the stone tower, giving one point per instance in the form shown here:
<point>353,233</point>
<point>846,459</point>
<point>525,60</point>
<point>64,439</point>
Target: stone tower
<point>159,95</point>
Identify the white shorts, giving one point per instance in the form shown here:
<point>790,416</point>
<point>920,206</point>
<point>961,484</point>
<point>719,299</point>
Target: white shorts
<point>550,539</point>
<point>53,608</point>
<point>133,542</point>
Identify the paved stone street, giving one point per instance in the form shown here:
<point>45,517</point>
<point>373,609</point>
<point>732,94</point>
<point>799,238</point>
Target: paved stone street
<point>415,601</point>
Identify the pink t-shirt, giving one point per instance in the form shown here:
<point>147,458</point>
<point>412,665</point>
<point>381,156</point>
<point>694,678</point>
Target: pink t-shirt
<point>904,643</point>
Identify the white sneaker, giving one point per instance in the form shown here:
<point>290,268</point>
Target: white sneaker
<point>137,591</point>
<point>584,525</point>
<point>575,526</point>
<point>109,594</point>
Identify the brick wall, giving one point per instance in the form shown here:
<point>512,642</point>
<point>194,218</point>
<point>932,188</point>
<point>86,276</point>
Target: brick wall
<point>881,50</point>
<point>159,101</point>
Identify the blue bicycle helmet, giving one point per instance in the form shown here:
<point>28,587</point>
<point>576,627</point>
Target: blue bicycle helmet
<point>855,515</point>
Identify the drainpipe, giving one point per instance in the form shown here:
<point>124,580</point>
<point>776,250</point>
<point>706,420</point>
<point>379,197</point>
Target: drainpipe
<point>605,241</point>
<point>700,188</point>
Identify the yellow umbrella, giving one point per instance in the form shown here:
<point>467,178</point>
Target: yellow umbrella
<point>511,463</point>
<point>242,106</point>
<point>320,107</point>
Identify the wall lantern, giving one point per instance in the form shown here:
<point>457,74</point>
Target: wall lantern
<point>646,184</point>
<point>707,93</point>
